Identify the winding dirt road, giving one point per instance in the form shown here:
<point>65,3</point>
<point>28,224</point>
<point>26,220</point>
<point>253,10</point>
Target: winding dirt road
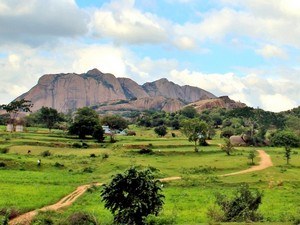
<point>265,162</point>
<point>26,218</point>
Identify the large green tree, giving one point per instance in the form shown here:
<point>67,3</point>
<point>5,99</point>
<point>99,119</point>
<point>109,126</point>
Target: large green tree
<point>161,130</point>
<point>285,138</point>
<point>195,130</point>
<point>85,121</point>
<point>114,122</point>
<point>132,196</point>
<point>49,117</point>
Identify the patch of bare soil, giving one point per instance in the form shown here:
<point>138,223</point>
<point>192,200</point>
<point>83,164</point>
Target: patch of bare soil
<point>265,162</point>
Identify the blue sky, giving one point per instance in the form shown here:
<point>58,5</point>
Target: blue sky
<point>246,49</point>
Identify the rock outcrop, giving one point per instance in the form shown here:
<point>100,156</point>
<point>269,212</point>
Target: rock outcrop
<point>70,91</point>
<point>221,102</point>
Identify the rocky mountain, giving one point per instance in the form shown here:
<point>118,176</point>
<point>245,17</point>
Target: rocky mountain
<point>70,91</point>
<point>221,102</point>
<point>105,92</point>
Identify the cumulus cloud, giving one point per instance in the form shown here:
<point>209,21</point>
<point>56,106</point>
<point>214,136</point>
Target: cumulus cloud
<point>122,22</point>
<point>271,51</point>
<point>272,22</point>
<point>34,23</point>
<point>251,89</point>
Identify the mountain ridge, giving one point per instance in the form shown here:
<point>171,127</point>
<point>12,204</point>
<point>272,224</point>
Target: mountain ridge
<point>69,91</point>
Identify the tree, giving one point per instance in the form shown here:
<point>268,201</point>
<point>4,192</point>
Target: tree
<point>49,117</point>
<point>251,156</point>
<point>227,147</point>
<point>242,207</point>
<point>15,107</point>
<point>98,133</point>
<point>287,154</point>
<point>161,130</point>
<point>85,121</point>
<point>195,130</point>
<point>189,112</point>
<point>285,138</point>
<point>132,196</point>
<point>115,122</point>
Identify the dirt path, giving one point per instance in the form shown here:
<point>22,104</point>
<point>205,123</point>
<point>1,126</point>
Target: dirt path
<point>265,162</point>
<point>26,218</point>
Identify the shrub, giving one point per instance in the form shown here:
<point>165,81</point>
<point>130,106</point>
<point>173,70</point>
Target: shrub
<point>92,155</point>
<point>227,132</point>
<point>145,151</point>
<point>88,170</point>
<point>242,207</point>
<point>10,213</point>
<point>153,220</point>
<point>82,218</point>
<point>76,145</point>
<point>105,156</point>
<point>46,153</point>
<point>4,150</point>
<point>57,164</point>
<point>285,138</point>
<point>161,130</point>
<point>2,164</point>
<point>84,145</point>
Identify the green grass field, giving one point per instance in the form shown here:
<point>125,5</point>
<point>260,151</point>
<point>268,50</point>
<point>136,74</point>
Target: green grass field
<point>25,186</point>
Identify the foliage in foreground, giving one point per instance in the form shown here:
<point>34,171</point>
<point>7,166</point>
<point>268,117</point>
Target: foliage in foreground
<point>242,207</point>
<point>132,196</point>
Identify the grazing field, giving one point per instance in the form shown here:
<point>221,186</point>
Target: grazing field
<point>26,186</point>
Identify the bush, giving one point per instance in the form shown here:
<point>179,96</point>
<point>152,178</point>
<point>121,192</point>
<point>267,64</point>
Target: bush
<point>46,153</point>
<point>161,130</point>
<point>76,145</point>
<point>105,156</point>
<point>285,138</point>
<point>2,164</point>
<point>145,151</point>
<point>84,145</point>
<point>242,207</point>
<point>4,150</point>
<point>226,132</point>
<point>88,170</point>
<point>153,220</point>
<point>92,155</point>
<point>57,164</point>
<point>82,218</point>
<point>9,213</point>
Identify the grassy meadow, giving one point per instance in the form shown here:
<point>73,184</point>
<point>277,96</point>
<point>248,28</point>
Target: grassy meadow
<point>25,186</point>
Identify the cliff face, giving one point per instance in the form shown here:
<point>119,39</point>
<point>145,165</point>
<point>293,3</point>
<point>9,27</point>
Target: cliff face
<point>70,91</point>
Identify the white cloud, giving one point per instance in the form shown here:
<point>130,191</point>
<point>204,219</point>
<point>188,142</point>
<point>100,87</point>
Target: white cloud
<point>106,58</point>
<point>277,102</point>
<point>122,22</point>
<point>271,51</point>
<point>185,43</point>
<point>251,89</point>
<point>35,22</point>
